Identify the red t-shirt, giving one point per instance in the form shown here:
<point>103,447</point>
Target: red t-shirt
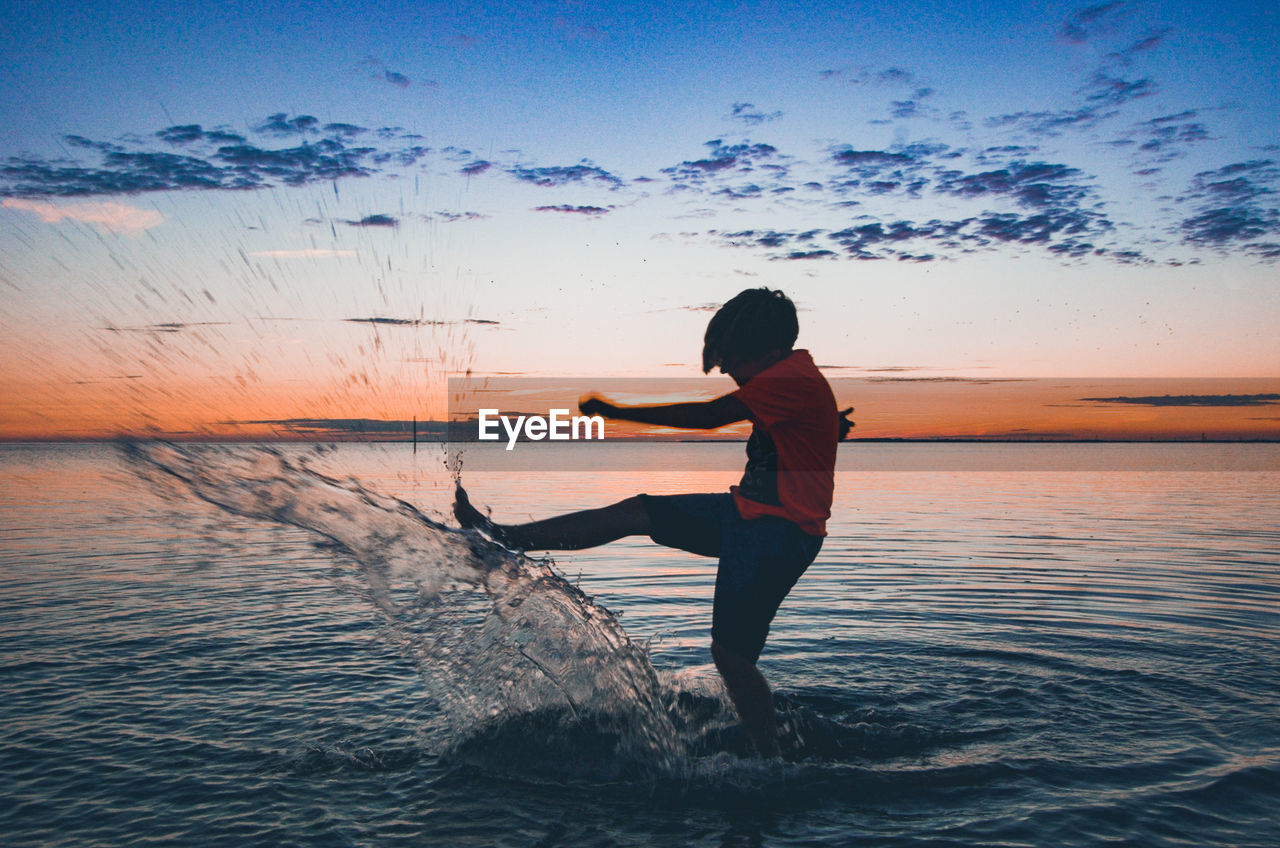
<point>791,456</point>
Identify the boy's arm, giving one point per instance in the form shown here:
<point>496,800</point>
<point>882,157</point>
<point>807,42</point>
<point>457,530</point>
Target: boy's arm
<point>701,415</point>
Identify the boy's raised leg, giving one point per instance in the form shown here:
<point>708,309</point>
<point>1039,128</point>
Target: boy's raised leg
<point>571,532</point>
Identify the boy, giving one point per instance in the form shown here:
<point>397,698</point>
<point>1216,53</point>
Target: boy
<point>767,529</point>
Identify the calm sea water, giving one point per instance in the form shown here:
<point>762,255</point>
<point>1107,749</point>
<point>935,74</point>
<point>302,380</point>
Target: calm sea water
<point>1012,645</point>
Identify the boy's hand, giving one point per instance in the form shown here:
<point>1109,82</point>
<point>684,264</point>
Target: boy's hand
<point>597,406</point>
<point>845,423</point>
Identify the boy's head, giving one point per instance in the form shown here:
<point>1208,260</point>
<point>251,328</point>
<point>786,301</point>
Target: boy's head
<point>756,324</point>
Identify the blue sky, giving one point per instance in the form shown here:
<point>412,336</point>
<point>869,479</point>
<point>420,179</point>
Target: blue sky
<point>1025,189</point>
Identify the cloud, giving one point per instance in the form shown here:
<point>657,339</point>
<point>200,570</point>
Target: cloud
<point>576,210</point>
<point>379,72</point>
<point>1193,400</point>
<point>1164,137</point>
<point>1037,184</point>
<point>374,221</point>
<point>1050,124</point>
<point>346,130</point>
<point>281,124</point>
<point>113,217</point>
<point>1104,89</point>
<point>561,175</point>
<point>454,217</point>
<point>167,327</point>
<point>308,253</point>
<point>210,160</point>
<point>420,322</point>
<point>748,114</point>
<point>1093,22</point>
<point>1065,232</point>
<point>475,168</point>
<point>1235,205</point>
<point>866,76</point>
<point>193,133</point>
<point>722,158</point>
<point>905,168</point>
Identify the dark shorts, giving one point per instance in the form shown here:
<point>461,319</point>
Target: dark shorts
<point>760,560</point>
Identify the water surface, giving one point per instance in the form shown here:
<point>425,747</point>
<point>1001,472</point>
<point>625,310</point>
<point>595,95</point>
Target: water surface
<point>996,646</point>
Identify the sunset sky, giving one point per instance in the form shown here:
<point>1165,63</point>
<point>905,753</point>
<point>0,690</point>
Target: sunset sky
<point>214,215</point>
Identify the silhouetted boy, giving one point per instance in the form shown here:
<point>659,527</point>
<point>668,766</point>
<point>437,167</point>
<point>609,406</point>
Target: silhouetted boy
<point>767,529</point>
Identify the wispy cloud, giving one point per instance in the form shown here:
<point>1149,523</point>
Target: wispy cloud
<point>562,175</point>
<point>379,72</point>
<point>420,322</point>
<point>1092,22</point>
<point>591,211</point>
<point>748,114</point>
<point>454,217</point>
<point>166,327</point>
<point>113,217</point>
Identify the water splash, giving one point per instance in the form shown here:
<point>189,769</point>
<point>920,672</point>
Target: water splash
<point>513,652</point>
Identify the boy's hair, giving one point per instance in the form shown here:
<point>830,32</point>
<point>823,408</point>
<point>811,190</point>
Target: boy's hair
<point>753,324</point>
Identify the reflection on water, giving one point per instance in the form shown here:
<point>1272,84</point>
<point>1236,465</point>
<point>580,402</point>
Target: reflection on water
<point>989,655</point>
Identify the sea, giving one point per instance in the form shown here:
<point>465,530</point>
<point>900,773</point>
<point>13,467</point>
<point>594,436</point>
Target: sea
<point>999,644</point>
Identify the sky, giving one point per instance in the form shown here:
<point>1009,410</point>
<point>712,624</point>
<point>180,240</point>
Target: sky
<point>215,215</point>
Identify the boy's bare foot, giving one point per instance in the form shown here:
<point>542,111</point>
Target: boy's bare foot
<point>468,516</point>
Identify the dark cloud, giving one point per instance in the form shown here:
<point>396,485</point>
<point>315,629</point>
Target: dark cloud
<point>561,175</point>
<point>194,133</point>
<point>1065,232</point>
<point>373,221</point>
<point>875,240</point>
<point>282,125</point>
<point>345,130</point>
<point>1235,205</point>
<point>475,168</point>
<point>721,159</point>
<point>1107,90</point>
<point>1192,400</point>
<point>1062,230</point>
<point>750,115</point>
<point>1222,226</point>
<point>576,210</point>
<point>1163,137</point>
<point>211,159</point>
<point>397,79</point>
<point>1037,184</point>
<point>821,253</point>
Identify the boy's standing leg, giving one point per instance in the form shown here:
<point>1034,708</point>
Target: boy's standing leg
<point>751,697</point>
